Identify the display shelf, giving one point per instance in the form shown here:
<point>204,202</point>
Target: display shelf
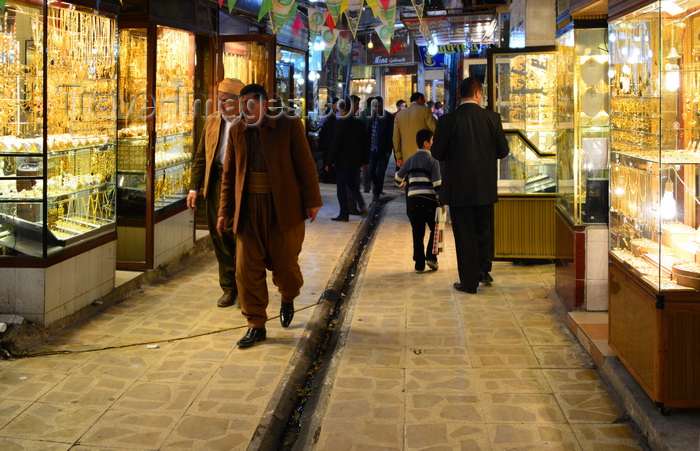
<point>57,154</point>
<point>654,205</point>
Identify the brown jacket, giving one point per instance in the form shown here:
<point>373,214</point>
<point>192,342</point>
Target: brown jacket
<point>290,166</point>
<point>207,149</point>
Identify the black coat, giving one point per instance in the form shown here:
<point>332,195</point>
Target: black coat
<point>470,141</point>
<point>385,132</point>
<point>350,147</point>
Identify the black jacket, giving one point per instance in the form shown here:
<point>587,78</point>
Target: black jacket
<point>350,147</point>
<point>470,141</point>
<point>385,132</point>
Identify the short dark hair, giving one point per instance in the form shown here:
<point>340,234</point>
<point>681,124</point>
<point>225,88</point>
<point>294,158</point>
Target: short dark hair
<point>257,90</point>
<point>438,105</point>
<point>346,106</point>
<point>400,102</point>
<point>335,100</point>
<point>416,96</point>
<point>469,86</point>
<point>422,136</point>
<point>430,103</point>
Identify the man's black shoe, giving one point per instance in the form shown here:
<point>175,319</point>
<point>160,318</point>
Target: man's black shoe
<point>286,313</point>
<point>459,287</point>
<point>340,218</point>
<point>486,277</point>
<point>355,211</point>
<point>253,335</point>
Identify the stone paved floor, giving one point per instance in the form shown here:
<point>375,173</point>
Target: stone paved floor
<point>423,367</point>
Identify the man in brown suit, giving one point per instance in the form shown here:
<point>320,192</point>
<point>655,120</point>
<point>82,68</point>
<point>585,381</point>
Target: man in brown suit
<point>207,170</point>
<point>269,188</point>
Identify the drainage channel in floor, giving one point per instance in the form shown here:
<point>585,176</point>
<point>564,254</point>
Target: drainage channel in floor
<point>318,368</point>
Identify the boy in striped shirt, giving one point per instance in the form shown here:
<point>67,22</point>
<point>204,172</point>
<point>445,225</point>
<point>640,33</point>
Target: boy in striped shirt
<point>421,173</point>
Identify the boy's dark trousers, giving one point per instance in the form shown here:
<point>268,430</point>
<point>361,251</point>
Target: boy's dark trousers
<point>421,212</point>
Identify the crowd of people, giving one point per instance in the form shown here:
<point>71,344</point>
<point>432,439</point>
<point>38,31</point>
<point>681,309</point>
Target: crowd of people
<point>260,184</point>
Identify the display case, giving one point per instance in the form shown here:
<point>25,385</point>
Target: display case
<point>290,82</point>
<point>581,277</point>
<point>583,117</point>
<point>58,121</point>
<point>398,86</point>
<point>155,138</point>
<point>250,59</point>
<point>654,242</point>
<point>522,89</point>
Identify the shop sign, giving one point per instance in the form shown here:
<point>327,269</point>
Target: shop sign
<point>438,61</point>
<point>401,52</point>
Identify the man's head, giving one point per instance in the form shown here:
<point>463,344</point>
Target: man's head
<point>378,104</point>
<point>345,106</point>
<point>254,100</point>
<point>368,103</point>
<point>431,105</point>
<point>418,97</point>
<point>355,100</point>
<point>334,104</point>
<point>471,89</point>
<point>424,139</point>
<point>229,90</point>
<point>400,105</point>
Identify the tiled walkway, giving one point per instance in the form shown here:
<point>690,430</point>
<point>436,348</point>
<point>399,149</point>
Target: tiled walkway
<point>425,366</point>
<point>422,366</point>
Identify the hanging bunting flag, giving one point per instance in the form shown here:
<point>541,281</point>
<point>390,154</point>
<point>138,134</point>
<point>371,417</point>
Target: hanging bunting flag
<point>353,11</point>
<point>282,12</point>
<point>334,8</point>
<point>265,7</point>
<point>387,3</point>
<point>231,4</point>
<point>385,33</point>
<point>2,4</point>
<point>329,37</point>
<point>97,5</point>
<point>317,18</point>
<point>374,6</point>
<point>330,23</point>
<point>418,5</point>
<point>298,24</point>
<point>388,18</point>
<point>221,3</point>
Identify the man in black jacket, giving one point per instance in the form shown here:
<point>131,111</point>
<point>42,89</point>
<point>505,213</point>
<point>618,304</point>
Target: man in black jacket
<point>381,133</point>
<point>470,141</point>
<point>348,153</point>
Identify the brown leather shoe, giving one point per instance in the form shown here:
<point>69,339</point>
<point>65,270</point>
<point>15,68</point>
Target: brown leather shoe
<point>227,299</point>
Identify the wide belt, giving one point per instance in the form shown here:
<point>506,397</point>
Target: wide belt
<point>258,183</point>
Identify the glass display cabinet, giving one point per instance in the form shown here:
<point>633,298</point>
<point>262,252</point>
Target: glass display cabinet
<point>58,120</point>
<point>522,89</point>
<point>250,59</point>
<point>654,241</point>
<point>290,82</point>
<point>57,163</point>
<point>583,116</point>
<point>155,143</point>
<point>583,109</point>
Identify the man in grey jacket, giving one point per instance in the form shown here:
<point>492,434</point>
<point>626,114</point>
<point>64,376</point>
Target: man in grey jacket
<point>470,141</point>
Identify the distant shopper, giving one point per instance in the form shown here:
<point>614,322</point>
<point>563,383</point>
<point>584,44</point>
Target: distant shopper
<point>207,170</point>
<point>400,105</point>
<point>421,173</point>
<point>381,132</point>
<point>348,153</point>
<point>470,141</point>
<point>416,117</point>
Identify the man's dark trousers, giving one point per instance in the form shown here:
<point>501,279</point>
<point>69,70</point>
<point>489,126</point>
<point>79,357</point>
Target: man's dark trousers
<point>473,230</point>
